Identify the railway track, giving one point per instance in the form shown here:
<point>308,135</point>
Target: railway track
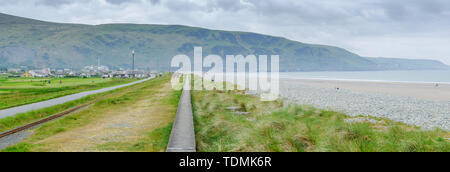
<point>42,121</point>
<point>47,119</point>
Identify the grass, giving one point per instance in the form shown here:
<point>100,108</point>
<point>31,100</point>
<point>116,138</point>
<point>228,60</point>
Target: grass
<point>22,91</point>
<point>108,107</point>
<point>25,118</point>
<point>154,141</point>
<point>21,147</point>
<point>151,141</point>
<point>269,126</point>
<point>274,127</point>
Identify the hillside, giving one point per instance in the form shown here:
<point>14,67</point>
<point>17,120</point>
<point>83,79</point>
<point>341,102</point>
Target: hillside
<point>27,42</point>
<point>407,64</point>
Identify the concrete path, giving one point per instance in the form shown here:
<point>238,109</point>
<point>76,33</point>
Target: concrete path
<point>182,138</point>
<point>49,103</point>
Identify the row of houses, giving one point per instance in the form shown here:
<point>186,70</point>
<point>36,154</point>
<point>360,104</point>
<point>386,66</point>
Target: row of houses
<point>87,72</point>
<point>37,73</point>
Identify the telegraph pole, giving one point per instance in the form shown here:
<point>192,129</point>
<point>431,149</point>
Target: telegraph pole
<point>133,63</point>
<point>98,64</point>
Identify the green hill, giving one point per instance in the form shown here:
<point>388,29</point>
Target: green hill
<point>407,64</point>
<point>27,42</point>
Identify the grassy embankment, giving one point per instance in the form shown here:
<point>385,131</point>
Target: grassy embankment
<point>142,115</point>
<point>25,118</point>
<point>275,127</point>
<point>22,91</point>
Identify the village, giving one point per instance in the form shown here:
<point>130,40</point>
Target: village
<point>86,72</point>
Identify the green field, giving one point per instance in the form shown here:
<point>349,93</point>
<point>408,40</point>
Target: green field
<point>21,91</point>
<point>276,127</point>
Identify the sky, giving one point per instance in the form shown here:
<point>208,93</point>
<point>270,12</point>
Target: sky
<point>418,29</point>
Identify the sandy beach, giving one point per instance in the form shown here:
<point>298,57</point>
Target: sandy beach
<point>427,91</point>
<point>422,104</point>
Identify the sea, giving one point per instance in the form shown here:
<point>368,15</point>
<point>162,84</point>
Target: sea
<point>413,76</point>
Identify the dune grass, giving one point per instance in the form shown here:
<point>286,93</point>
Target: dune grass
<point>22,91</point>
<point>275,127</point>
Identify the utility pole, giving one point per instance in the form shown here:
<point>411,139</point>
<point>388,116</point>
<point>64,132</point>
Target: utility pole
<point>98,64</point>
<point>133,63</point>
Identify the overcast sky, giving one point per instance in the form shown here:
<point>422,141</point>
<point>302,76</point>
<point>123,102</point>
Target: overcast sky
<point>375,28</point>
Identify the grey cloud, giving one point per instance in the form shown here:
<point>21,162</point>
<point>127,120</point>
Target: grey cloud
<point>155,1</point>
<point>118,2</point>
<point>209,5</point>
<point>227,5</point>
<point>413,10</point>
<point>56,3</point>
<point>8,2</point>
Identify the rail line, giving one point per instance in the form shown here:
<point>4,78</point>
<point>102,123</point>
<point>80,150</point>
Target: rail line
<point>25,127</point>
<point>53,117</point>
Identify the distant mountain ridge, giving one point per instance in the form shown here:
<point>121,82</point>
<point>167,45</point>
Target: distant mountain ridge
<point>407,64</point>
<point>28,42</point>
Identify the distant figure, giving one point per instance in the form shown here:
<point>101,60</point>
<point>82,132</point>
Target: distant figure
<point>49,81</point>
<point>437,85</point>
<point>337,88</point>
<point>60,81</point>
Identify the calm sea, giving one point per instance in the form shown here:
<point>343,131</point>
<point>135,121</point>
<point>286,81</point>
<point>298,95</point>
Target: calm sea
<point>427,76</point>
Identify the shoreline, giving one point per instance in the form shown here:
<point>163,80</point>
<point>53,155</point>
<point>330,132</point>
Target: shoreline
<point>419,104</point>
<point>396,76</point>
<point>365,80</point>
<point>426,91</point>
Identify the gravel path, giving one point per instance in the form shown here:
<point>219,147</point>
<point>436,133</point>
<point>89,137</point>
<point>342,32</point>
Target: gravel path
<point>16,138</point>
<point>427,114</point>
<point>26,108</point>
